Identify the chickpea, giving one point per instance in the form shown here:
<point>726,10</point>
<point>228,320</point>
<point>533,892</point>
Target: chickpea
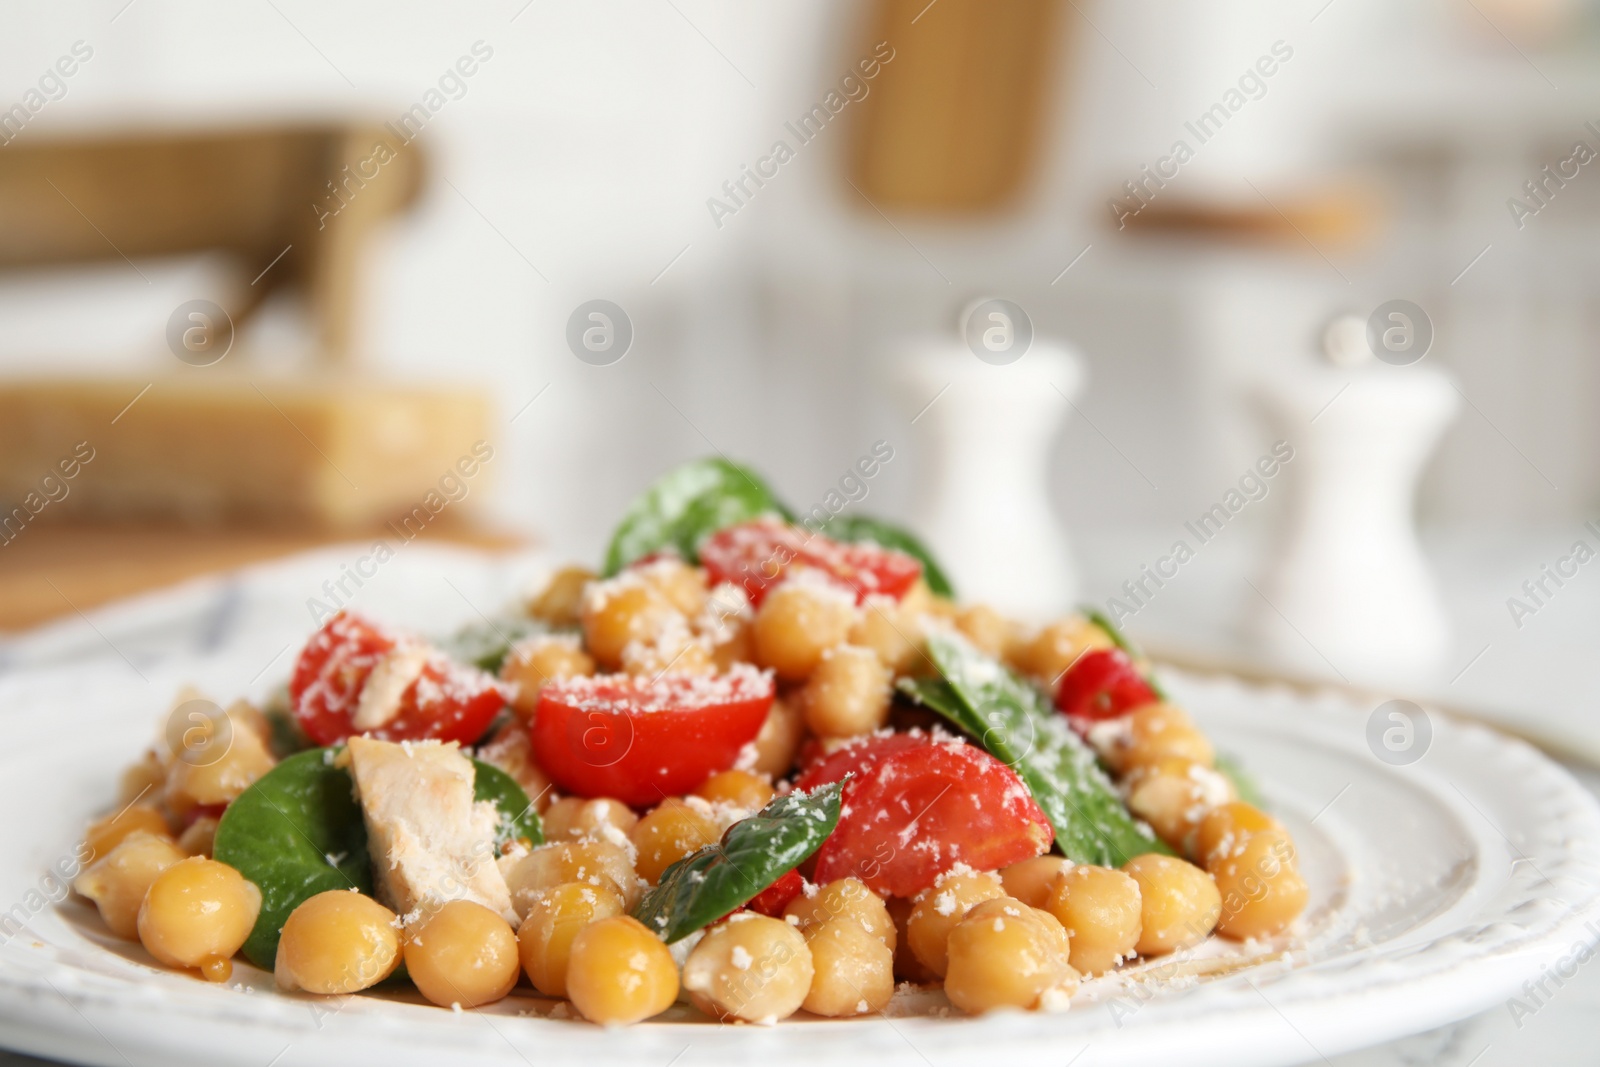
<point>544,939</point>
<point>1032,880</point>
<point>462,953</point>
<point>673,830</point>
<point>618,972</point>
<point>847,898</point>
<point>724,612</point>
<point>797,623</point>
<point>1149,734</point>
<point>891,630</point>
<point>938,910</point>
<point>118,880</point>
<point>749,967</point>
<point>1172,794</point>
<point>986,628</point>
<point>142,779</point>
<point>741,788</point>
<point>675,650</point>
<point>212,777</point>
<point>575,817</point>
<point>736,648</point>
<point>542,658</point>
<point>852,971</point>
<point>1004,954</point>
<point>1225,829</point>
<point>917,600</point>
<point>337,942</point>
<point>779,739</point>
<point>594,863</point>
<point>906,965</point>
<point>1262,891</point>
<point>247,716</point>
<point>621,611</point>
<point>1102,910</point>
<point>199,837</point>
<point>1178,903</point>
<point>106,834</point>
<point>560,602</point>
<point>197,913</point>
<point>683,586</point>
<point>1057,646</point>
<point>847,694</point>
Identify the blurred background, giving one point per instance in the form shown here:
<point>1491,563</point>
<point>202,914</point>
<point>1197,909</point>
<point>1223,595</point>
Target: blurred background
<point>268,270</point>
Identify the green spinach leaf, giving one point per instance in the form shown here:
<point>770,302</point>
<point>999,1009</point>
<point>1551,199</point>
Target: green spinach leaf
<point>937,695</point>
<point>295,833</point>
<point>517,817</point>
<point>1011,718</point>
<point>685,506</point>
<point>486,644</point>
<point>755,852</point>
<point>866,528</point>
<point>298,831</point>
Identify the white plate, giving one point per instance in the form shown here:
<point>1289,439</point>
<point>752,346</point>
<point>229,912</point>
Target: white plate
<point>1439,888</point>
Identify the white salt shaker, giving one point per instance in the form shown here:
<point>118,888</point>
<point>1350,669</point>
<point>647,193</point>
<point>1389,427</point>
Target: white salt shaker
<point>1348,592</point>
<point>982,498</point>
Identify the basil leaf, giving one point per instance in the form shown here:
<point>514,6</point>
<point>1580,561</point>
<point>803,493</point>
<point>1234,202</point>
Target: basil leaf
<point>517,817</point>
<point>886,534</point>
<point>755,852</point>
<point>1243,782</point>
<point>937,695</point>
<point>1012,719</point>
<point>685,506</point>
<point>296,832</point>
<point>486,644</point>
<point>1120,639</point>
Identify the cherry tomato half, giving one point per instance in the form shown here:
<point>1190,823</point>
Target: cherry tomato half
<point>919,809</point>
<point>856,757</point>
<point>772,900</point>
<point>443,701</point>
<point>641,740</point>
<point>758,555</point>
<point>1103,684</point>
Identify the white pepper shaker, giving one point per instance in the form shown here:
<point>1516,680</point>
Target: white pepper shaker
<point>1348,592</point>
<point>982,498</point>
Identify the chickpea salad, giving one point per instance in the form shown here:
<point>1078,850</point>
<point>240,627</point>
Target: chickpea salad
<point>748,764</point>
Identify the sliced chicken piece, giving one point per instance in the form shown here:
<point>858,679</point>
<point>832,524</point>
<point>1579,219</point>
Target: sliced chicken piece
<point>430,841</point>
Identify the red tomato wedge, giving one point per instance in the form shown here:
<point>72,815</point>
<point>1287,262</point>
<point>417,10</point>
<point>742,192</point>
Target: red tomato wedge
<point>429,697</point>
<point>857,757</point>
<point>772,900</point>
<point>920,808</point>
<point>1103,684</point>
<point>641,740</point>
<point>759,555</point>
